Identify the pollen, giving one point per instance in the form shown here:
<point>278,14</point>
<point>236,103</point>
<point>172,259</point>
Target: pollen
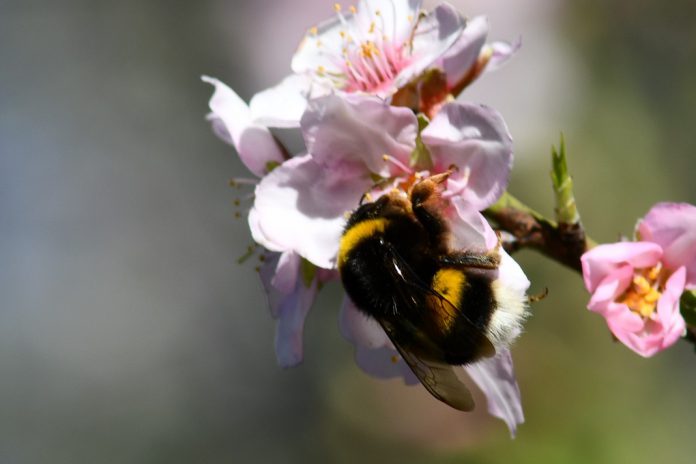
<point>394,359</point>
<point>321,70</point>
<point>372,28</point>
<point>352,9</point>
<point>313,30</point>
<point>642,296</point>
<point>337,7</point>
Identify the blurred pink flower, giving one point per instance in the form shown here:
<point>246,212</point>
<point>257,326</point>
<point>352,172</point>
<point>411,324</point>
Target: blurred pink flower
<point>355,141</point>
<point>636,286</point>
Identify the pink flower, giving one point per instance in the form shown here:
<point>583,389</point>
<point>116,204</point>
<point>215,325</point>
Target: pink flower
<point>377,48</point>
<point>356,140</point>
<point>636,286</point>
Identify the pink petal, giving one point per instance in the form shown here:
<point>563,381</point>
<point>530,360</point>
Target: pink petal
<point>610,288</point>
<point>254,142</point>
<point>668,308</point>
<point>290,327</point>
<point>358,131</point>
<point>496,379</point>
<point>459,59</point>
<point>298,207</point>
<point>604,259</point>
<point>476,140</point>
<point>435,34</point>
<point>673,227</point>
<point>384,363</point>
<point>360,329</point>
<point>286,273</point>
<point>283,104</point>
<point>470,230</point>
<point>501,52</point>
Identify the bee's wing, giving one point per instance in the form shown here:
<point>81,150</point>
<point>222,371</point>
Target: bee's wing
<point>437,377</point>
<point>435,374</point>
<point>414,289</point>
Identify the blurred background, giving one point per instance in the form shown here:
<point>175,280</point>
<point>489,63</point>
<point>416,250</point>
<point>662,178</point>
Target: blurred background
<point>128,332</point>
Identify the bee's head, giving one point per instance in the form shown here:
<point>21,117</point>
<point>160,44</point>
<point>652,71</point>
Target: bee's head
<point>392,204</point>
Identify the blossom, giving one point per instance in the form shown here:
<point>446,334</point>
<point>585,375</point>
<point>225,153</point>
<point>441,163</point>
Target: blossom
<point>378,48</point>
<point>289,290</point>
<point>354,141</point>
<point>637,285</point>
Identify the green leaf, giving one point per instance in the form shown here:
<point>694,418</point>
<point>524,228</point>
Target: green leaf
<point>566,209</point>
<point>308,272</point>
<point>687,306</point>
<point>420,156</point>
<point>271,165</point>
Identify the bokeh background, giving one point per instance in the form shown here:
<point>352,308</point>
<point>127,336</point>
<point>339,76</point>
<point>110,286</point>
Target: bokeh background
<point>128,332</point>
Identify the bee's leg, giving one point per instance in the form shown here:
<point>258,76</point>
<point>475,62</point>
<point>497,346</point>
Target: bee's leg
<point>428,204</point>
<point>472,259</point>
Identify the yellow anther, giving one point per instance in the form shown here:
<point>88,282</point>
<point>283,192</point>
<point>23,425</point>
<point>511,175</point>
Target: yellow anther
<point>394,359</point>
<point>652,296</point>
<point>372,28</point>
<point>641,285</point>
<point>409,18</point>
<point>321,70</point>
<point>313,30</point>
<point>342,34</point>
<point>385,157</point>
<point>368,197</point>
<point>378,13</point>
<point>352,9</point>
<point>319,44</point>
<point>337,7</point>
<point>654,273</point>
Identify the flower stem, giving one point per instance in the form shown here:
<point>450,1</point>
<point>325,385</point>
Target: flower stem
<point>563,242</point>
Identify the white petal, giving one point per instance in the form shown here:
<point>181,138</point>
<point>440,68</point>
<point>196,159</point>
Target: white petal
<point>395,20</point>
<point>360,329</point>
<point>501,52</point>
<point>435,34</point>
<point>459,59</point>
<point>300,207</point>
<point>283,104</point>
<point>496,379</point>
<point>254,143</point>
<point>476,140</point>
<point>322,50</point>
<point>290,327</point>
<point>357,129</point>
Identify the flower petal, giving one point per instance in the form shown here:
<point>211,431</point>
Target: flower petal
<point>673,227</point>
<point>360,329</point>
<point>358,131</point>
<point>496,379</point>
<point>470,230</point>
<point>459,59</point>
<point>604,259</point>
<point>396,17</point>
<point>298,207</point>
<point>668,308</point>
<point>321,47</point>
<point>435,34</point>
<point>609,288</point>
<point>476,140</point>
<point>283,104</point>
<point>384,363</point>
<point>501,52</point>
<point>290,327</point>
<point>254,143</point>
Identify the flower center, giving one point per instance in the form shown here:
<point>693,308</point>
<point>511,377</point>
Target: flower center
<point>642,295</point>
<point>370,60</point>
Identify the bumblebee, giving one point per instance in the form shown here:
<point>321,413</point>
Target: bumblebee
<point>440,306</point>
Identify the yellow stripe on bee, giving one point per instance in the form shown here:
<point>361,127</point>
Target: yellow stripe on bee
<point>356,234</point>
<point>450,284</point>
